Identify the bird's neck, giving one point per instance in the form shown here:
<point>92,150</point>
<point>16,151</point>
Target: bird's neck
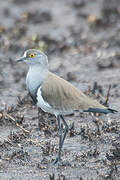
<point>35,77</point>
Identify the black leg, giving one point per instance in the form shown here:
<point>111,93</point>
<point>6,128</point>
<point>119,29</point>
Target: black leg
<point>58,158</point>
<point>66,130</point>
<point>61,140</point>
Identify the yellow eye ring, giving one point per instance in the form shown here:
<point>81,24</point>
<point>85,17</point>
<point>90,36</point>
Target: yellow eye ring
<point>31,55</point>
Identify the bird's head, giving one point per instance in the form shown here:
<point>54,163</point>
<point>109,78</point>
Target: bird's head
<point>34,57</point>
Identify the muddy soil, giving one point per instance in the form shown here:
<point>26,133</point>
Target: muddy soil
<point>82,40</point>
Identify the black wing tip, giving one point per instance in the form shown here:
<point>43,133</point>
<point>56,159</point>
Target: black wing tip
<point>101,111</point>
<point>112,111</point>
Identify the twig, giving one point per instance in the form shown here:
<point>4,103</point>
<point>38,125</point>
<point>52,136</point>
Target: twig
<point>108,95</point>
<point>13,119</point>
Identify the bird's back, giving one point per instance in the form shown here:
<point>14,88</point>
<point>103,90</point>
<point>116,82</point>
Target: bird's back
<point>64,97</point>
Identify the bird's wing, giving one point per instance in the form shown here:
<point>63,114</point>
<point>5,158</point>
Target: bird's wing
<point>64,97</point>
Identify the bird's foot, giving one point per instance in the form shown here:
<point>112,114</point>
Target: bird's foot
<point>58,162</point>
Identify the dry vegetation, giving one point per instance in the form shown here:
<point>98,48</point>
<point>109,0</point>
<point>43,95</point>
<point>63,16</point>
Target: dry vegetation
<point>82,40</point>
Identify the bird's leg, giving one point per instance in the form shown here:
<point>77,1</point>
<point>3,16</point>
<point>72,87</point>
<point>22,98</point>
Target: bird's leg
<point>58,158</point>
<point>66,130</point>
<point>61,140</point>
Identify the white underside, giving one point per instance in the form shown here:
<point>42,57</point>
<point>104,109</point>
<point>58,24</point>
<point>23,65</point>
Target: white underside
<point>44,105</point>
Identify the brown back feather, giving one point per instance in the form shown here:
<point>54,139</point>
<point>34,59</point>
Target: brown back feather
<point>63,96</point>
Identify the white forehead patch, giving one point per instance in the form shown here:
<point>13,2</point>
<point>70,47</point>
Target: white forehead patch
<point>25,53</point>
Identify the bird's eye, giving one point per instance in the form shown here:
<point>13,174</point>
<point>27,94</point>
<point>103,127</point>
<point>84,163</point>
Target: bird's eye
<point>31,55</point>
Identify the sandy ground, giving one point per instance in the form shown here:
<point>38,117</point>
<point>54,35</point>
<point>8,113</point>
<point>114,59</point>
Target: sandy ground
<point>81,39</point>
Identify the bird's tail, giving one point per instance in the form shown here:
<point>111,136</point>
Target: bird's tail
<point>102,111</point>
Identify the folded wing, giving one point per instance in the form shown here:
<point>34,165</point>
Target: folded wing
<point>64,97</point>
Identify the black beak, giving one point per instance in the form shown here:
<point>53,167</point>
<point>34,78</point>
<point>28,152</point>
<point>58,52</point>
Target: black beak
<point>20,59</point>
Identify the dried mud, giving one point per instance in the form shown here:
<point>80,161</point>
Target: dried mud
<point>81,39</point>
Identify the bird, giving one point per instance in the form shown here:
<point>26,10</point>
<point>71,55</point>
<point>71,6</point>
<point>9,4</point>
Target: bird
<point>55,95</point>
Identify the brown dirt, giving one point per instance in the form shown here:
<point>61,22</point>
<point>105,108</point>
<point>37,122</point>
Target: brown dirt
<point>81,39</point>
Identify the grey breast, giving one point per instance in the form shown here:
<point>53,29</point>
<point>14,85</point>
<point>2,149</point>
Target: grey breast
<point>34,80</point>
